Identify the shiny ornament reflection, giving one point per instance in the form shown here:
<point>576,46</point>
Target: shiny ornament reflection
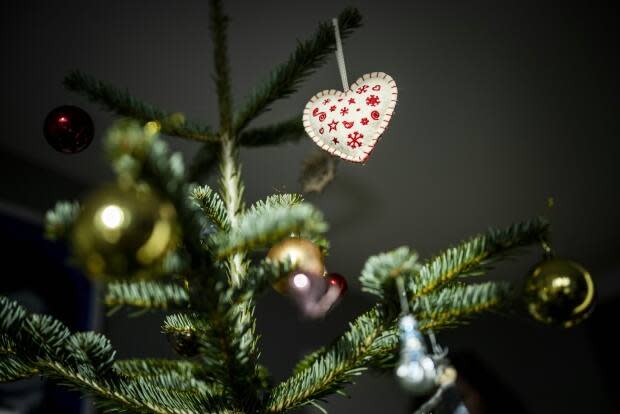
<point>112,217</point>
<point>68,129</point>
<point>305,256</point>
<point>313,294</point>
<point>301,281</point>
<point>122,233</point>
<point>559,292</point>
<point>339,281</point>
<point>416,371</point>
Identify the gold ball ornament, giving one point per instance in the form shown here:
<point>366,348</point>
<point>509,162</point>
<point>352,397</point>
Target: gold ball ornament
<point>123,233</point>
<point>184,343</point>
<point>305,256</point>
<point>559,292</point>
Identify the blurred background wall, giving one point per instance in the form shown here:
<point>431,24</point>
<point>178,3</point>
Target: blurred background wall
<point>501,105</point>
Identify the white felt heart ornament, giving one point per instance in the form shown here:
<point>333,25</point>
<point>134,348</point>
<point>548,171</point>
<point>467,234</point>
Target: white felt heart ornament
<point>349,124</point>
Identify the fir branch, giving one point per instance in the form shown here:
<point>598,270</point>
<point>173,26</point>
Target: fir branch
<point>212,205</point>
<point>7,345</point>
<point>262,207</point>
<point>233,326</point>
<point>347,358</point>
<point>231,190</point>
<point>44,336</point>
<point>218,25</point>
<point>12,316</point>
<point>146,294</point>
<point>380,271</point>
<point>307,57</point>
<point>154,367</point>
<point>84,361</point>
<point>260,229</point>
<point>227,345</point>
<point>13,368</point>
<point>91,349</point>
<point>309,359</point>
<point>180,375</point>
<point>184,323</point>
<point>124,104</point>
<point>263,275</point>
<point>459,302</point>
<point>60,219</point>
<point>372,340</point>
<point>139,395</point>
<point>475,256</point>
<point>163,171</point>
<point>141,156</point>
<point>291,130</point>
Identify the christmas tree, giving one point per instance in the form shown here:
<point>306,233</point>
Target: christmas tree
<point>159,239</point>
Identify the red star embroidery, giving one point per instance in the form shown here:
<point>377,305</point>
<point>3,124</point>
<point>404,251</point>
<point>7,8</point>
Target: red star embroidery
<point>335,140</point>
<point>332,108</point>
<point>332,125</point>
<point>351,100</point>
<point>364,121</point>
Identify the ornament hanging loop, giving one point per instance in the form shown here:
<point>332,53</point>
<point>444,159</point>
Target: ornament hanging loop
<point>340,57</point>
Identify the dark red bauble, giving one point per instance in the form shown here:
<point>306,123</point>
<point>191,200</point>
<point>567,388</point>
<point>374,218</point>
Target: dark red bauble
<point>336,279</point>
<point>68,129</point>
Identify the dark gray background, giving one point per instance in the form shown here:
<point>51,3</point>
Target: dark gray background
<point>501,105</point>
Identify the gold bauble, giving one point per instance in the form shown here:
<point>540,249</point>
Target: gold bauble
<point>184,343</point>
<point>559,292</point>
<point>304,255</point>
<point>123,233</point>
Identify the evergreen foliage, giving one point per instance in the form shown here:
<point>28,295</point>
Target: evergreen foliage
<point>146,294</point>
<point>211,285</point>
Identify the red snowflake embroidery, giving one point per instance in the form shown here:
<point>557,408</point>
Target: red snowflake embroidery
<point>332,108</point>
<point>347,124</point>
<point>332,125</point>
<point>351,100</point>
<point>355,140</point>
<point>362,89</point>
<point>373,100</point>
<point>364,121</point>
<point>335,140</point>
<point>344,111</point>
<point>326,101</point>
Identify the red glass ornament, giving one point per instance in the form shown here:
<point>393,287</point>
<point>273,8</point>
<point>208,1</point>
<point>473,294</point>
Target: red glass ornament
<point>68,129</point>
<point>336,279</point>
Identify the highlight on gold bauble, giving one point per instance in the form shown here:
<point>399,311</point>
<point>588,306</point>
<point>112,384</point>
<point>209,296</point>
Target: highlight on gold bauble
<point>305,256</point>
<point>559,292</point>
<point>123,232</point>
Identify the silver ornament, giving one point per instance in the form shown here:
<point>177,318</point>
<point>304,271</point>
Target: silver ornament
<point>416,371</point>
